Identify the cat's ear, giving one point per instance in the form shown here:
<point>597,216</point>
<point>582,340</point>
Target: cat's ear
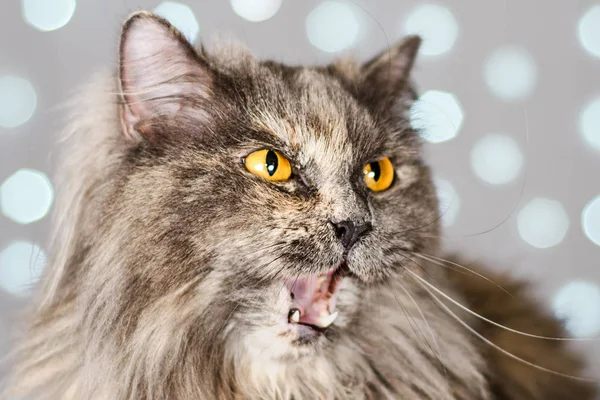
<point>160,72</point>
<point>386,76</point>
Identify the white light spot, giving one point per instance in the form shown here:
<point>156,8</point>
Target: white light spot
<point>17,101</point>
<point>578,304</point>
<point>437,115</point>
<point>48,15</point>
<point>256,10</point>
<point>589,30</point>
<point>543,223</point>
<point>21,264</point>
<point>496,159</point>
<point>436,25</point>
<point>510,73</point>
<point>181,17</point>
<point>590,219</point>
<point>26,196</point>
<point>590,123</point>
<point>332,26</point>
<point>449,202</point>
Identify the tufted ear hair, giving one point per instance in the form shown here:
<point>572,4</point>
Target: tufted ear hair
<point>385,78</point>
<point>160,72</point>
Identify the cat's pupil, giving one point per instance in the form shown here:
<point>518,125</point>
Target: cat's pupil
<point>271,161</point>
<point>375,171</point>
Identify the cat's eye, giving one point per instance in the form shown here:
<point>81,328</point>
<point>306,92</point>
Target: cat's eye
<point>379,175</point>
<point>268,164</point>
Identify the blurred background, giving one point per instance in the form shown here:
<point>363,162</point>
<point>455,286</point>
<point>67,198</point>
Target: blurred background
<point>510,110</point>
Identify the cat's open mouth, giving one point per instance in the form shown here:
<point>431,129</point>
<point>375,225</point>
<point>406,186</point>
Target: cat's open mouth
<point>314,297</point>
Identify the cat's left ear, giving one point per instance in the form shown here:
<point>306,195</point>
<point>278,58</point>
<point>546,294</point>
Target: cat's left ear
<point>160,73</point>
<point>386,76</point>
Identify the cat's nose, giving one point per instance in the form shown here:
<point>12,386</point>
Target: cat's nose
<point>348,232</point>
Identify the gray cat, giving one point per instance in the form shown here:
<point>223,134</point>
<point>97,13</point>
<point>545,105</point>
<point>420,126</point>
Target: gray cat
<point>231,228</point>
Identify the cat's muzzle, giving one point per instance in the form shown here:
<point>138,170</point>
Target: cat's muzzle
<point>314,297</point>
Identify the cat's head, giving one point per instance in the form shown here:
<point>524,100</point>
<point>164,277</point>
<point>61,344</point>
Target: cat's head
<point>260,201</point>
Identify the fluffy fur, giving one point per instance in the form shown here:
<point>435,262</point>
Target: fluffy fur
<point>168,257</point>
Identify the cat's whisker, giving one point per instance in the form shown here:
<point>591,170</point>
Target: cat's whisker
<point>406,257</point>
<point>418,228</point>
<point>395,249</point>
<point>523,184</point>
<point>262,249</point>
<point>495,346</point>
<point>413,324</point>
<point>507,217</point>
<point>437,345</point>
<point>481,317</point>
<point>448,264</point>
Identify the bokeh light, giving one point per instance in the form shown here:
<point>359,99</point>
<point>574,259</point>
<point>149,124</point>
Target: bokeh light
<point>510,73</point>
<point>589,123</point>
<point>577,304</point>
<point>17,101</point>
<point>48,15</point>
<point>437,115</point>
<point>332,26</point>
<point>256,10</point>
<point>436,25</point>
<point>21,264</point>
<point>449,202</point>
<point>543,223</point>
<point>496,159</point>
<point>590,220</point>
<point>181,17</point>
<point>589,30</point>
<point>26,196</point>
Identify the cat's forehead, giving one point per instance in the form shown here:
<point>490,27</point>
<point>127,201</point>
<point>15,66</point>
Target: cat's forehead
<point>313,114</point>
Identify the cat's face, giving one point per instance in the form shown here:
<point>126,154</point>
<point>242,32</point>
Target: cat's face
<point>280,266</point>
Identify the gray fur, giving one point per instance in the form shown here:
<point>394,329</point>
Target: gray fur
<point>169,257</point>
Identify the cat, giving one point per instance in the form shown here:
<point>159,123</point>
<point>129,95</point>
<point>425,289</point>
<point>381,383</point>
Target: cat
<point>230,228</point>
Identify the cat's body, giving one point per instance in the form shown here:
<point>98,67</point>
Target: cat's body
<point>171,262</point>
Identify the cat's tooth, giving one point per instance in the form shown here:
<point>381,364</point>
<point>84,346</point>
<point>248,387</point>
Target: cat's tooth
<point>295,316</point>
<point>327,321</point>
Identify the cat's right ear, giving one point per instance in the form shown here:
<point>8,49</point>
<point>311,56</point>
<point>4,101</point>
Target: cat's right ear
<point>385,78</point>
<point>160,73</point>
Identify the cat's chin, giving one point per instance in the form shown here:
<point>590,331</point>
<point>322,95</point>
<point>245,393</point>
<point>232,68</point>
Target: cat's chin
<point>303,316</point>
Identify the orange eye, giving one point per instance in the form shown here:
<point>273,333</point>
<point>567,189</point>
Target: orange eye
<point>379,174</point>
<point>269,164</point>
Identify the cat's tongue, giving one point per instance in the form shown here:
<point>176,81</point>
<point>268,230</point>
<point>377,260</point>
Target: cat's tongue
<point>313,299</point>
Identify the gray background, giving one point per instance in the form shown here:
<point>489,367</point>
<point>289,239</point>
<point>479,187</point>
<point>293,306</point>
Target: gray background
<point>558,164</point>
